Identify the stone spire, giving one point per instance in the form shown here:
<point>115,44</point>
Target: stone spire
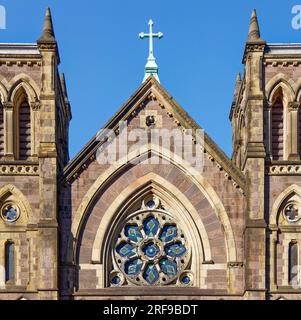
<point>48,31</point>
<point>254,32</point>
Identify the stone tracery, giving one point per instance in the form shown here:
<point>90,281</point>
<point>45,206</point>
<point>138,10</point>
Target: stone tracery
<point>151,249</point>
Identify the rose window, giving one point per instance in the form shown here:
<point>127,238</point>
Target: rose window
<point>151,249</point>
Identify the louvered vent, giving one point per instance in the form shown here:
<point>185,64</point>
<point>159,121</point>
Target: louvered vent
<point>277,130</point>
<point>24,131</point>
<point>1,131</point>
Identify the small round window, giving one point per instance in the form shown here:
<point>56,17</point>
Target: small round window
<point>292,212</point>
<point>10,212</point>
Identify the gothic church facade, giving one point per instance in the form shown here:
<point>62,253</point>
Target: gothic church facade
<point>80,229</point>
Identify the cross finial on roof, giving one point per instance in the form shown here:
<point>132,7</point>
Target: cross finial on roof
<point>151,67</point>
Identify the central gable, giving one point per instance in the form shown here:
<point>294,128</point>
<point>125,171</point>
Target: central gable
<point>208,203</point>
<point>151,102</point>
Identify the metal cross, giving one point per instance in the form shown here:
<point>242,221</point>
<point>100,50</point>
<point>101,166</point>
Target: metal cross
<point>151,68</point>
<point>151,35</point>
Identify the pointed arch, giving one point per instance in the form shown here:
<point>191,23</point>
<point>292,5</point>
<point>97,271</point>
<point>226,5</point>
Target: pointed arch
<point>18,197</point>
<point>277,124</point>
<point>298,90</point>
<point>3,92</point>
<point>186,217</point>
<point>195,176</point>
<point>22,123</point>
<point>290,191</point>
<point>281,81</point>
<point>28,84</point>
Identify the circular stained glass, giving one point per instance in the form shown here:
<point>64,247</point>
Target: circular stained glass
<point>186,279</point>
<point>151,204</point>
<point>10,212</point>
<point>116,280</point>
<point>151,249</point>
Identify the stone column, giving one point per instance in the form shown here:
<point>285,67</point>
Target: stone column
<point>292,131</point>
<point>268,130</point>
<point>35,125</point>
<point>273,257</point>
<point>9,130</point>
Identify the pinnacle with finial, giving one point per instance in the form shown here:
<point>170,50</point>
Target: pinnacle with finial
<point>48,30</point>
<point>64,87</point>
<point>237,85</point>
<point>254,32</point>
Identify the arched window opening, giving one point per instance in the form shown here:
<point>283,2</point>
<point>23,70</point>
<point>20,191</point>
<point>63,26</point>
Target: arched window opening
<point>1,130</point>
<point>9,262</point>
<point>24,134</point>
<point>277,129</point>
<point>293,258</point>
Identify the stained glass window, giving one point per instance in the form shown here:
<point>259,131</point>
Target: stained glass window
<point>10,212</point>
<point>151,249</point>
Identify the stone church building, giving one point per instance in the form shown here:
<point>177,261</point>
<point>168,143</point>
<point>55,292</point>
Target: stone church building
<point>83,229</point>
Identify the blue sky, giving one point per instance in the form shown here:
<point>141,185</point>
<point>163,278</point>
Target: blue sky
<point>103,59</point>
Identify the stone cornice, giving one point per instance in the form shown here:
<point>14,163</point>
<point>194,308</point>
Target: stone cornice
<point>50,46</point>
<point>10,60</point>
<point>255,46</point>
<point>147,291</point>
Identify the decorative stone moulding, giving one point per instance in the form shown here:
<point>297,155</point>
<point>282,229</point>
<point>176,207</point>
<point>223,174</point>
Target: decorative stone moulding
<point>10,169</point>
<point>276,170</point>
<point>20,63</point>
<point>286,63</point>
<point>235,264</point>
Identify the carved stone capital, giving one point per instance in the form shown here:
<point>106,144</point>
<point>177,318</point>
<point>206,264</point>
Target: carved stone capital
<point>8,105</point>
<point>293,106</point>
<point>236,264</point>
<point>36,105</point>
